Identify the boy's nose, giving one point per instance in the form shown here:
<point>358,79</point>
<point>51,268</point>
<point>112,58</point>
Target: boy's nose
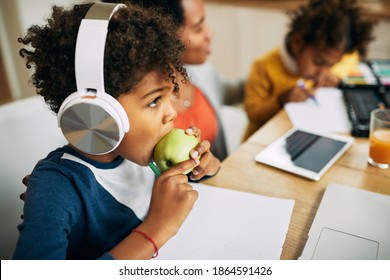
<point>170,114</point>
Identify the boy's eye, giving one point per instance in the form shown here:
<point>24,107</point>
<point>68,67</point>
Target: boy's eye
<point>154,102</point>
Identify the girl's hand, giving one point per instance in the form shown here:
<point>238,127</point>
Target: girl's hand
<point>326,79</point>
<point>296,94</point>
<point>209,164</point>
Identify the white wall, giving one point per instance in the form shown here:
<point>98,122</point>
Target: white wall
<point>380,48</point>
<point>242,34</point>
<point>35,12</point>
<point>15,17</point>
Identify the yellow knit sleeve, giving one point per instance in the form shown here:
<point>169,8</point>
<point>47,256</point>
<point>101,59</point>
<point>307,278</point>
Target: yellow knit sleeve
<point>259,102</point>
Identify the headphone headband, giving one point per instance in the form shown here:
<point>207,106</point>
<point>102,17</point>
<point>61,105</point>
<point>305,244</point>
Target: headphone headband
<point>91,40</point>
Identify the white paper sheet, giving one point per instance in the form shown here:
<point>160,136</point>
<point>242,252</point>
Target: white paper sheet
<point>329,116</point>
<point>231,225</point>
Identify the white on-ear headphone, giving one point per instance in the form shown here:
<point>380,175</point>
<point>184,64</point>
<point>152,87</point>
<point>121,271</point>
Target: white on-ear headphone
<point>90,119</point>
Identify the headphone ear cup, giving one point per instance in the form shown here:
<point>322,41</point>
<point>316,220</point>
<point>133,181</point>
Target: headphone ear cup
<point>90,119</point>
<point>93,124</point>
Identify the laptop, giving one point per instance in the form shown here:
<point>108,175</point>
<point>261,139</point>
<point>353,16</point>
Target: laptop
<point>365,89</point>
<point>350,224</point>
<point>359,103</point>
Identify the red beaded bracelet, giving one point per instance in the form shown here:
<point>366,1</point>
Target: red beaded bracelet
<point>150,239</point>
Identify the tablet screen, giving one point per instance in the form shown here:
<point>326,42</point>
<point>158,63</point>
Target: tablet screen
<point>318,154</point>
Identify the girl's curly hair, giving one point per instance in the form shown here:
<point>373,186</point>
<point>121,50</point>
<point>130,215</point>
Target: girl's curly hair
<point>138,42</point>
<point>336,24</point>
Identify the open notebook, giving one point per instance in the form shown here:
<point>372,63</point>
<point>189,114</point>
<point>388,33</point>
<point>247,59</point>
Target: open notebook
<point>330,114</point>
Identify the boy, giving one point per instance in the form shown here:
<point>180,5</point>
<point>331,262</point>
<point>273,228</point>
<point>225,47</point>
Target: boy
<point>106,205</point>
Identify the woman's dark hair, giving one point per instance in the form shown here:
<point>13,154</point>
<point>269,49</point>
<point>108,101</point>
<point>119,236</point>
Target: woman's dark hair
<point>336,24</point>
<point>166,7</point>
<point>138,42</point>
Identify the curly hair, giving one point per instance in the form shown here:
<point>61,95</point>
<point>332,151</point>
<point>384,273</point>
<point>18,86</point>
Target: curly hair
<point>336,24</point>
<point>138,42</point>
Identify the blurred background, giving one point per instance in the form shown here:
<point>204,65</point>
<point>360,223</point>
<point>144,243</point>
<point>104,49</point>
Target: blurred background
<point>244,30</point>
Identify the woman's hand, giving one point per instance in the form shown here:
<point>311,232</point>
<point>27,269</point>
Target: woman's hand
<point>209,164</point>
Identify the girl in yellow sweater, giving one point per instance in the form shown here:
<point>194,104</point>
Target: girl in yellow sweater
<point>325,41</point>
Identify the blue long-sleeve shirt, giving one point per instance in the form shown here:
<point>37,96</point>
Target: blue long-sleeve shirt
<point>77,208</point>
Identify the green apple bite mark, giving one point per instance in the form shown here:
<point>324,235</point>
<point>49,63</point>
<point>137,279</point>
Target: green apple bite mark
<point>174,148</point>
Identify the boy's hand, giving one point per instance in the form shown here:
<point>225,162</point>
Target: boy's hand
<point>25,179</point>
<point>209,164</point>
<point>171,202</point>
<point>22,196</point>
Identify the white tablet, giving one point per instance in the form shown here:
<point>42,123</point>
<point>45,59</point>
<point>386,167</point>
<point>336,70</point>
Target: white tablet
<point>305,153</point>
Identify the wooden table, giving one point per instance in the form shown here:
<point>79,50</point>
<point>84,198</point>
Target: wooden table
<point>240,172</point>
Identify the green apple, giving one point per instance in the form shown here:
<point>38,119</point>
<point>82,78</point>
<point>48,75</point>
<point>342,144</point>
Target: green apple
<point>173,148</point>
